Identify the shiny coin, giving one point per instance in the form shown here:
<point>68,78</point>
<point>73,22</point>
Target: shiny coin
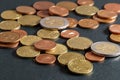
<point>85,2</point>
<point>54,22</point>
<point>86,10</point>
<point>48,34</point>
<point>45,45</point>
<point>9,45</point>
<point>27,52</point>
<point>29,20</point>
<point>10,14</point>
<point>29,40</point>
<point>107,14</point>
<point>45,59</point>
<point>9,25</point>
<point>9,37</point>
<point>115,37</point>
<point>79,66</point>
<point>112,7</point>
<point>72,22</point>
<point>88,23</point>
<point>93,57</point>
<point>67,4</point>
<point>107,49</point>
<point>114,28</point>
<point>43,13</point>
<point>79,43</point>
<point>66,57</point>
<point>43,5</point>
<point>58,10</point>
<point>69,33</point>
<point>25,10</point>
<point>59,49</point>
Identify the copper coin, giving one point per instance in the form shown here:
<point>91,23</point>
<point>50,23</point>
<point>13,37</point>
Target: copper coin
<point>93,57</point>
<point>69,33</point>
<point>115,37</point>
<point>95,17</point>
<point>107,14</point>
<point>43,13</point>
<point>45,59</point>
<point>9,45</point>
<point>45,45</point>
<point>43,5</point>
<point>72,22</point>
<point>88,23</point>
<point>114,28</point>
<point>86,2</point>
<point>25,10</point>
<point>112,7</point>
<point>60,11</point>
<point>9,37</point>
<point>21,32</point>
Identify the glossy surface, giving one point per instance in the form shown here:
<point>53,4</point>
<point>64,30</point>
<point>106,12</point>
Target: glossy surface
<point>86,2</point>
<point>114,28</point>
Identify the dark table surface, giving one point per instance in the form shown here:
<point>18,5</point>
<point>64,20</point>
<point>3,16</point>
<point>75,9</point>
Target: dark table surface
<point>15,68</point>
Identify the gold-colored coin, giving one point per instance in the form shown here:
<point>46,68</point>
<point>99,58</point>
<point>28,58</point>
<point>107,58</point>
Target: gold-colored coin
<point>29,20</point>
<point>10,14</point>
<point>27,52</point>
<point>59,49</point>
<point>29,40</point>
<point>115,37</point>
<point>66,57</point>
<point>80,66</point>
<point>48,34</point>
<point>79,43</point>
<point>9,25</point>
<point>86,10</point>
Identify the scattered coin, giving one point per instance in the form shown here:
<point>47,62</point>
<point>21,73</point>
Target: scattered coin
<point>10,14</point>
<point>105,48</point>
<point>79,43</point>
<point>85,2</point>
<point>79,66</point>
<point>115,37</point>
<point>27,52</point>
<point>72,22</point>
<point>43,13</point>
<point>45,59</point>
<point>69,33</point>
<point>29,20</point>
<point>114,28</point>
<point>25,10</point>
<point>9,45</point>
<point>66,57</point>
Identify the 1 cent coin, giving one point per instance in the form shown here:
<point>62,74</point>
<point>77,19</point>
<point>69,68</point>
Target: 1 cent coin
<point>115,37</point>
<point>114,28</point>
<point>43,13</point>
<point>85,2</point>
<point>72,22</point>
<point>9,45</point>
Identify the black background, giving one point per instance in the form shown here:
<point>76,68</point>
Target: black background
<point>15,68</point>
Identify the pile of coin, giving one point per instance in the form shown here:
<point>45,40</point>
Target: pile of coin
<point>43,46</point>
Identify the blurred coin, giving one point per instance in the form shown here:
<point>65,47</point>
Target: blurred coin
<point>85,2</point>
<point>9,25</point>
<point>66,57</point>
<point>43,13</point>
<point>72,22</point>
<point>29,20</point>
<point>10,14</point>
<point>27,52</point>
<point>79,66</point>
<point>54,22</point>
<point>25,10</point>
<point>45,59</point>
<point>115,37</point>
<point>79,43</point>
<point>86,10</point>
<point>9,45</point>
<point>67,4</point>
<point>107,49</point>
<point>114,28</point>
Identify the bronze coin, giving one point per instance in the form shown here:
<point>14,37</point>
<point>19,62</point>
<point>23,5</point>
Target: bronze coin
<point>85,2</point>
<point>88,23</point>
<point>43,5</point>
<point>45,45</point>
<point>93,57</point>
<point>21,32</point>
<point>69,33</point>
<point>114,28</point>
<point>112,7</point>
<point>9,45</point>
<point>115,37</point>
<point>25,10</point>
<point>45,59</point>
<point>43,13</point>
<point>107,14</point>
<point>72,22</point>
<point>9,37</point>
<point>57,10</point>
